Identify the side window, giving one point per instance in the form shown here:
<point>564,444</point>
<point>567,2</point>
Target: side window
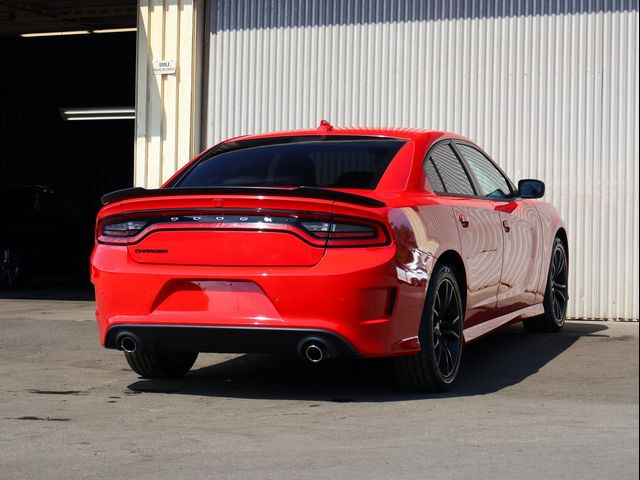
<point>491,181</point>
<point>445,172</point>
<point>433,176</point>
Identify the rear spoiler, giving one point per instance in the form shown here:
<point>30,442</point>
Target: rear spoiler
<point>303,192</point>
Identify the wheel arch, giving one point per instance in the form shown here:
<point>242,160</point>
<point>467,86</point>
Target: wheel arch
<point>453,259</point>
<point>562,235</point>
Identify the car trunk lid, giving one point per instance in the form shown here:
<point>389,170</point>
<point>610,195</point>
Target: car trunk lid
<point>226,230</point>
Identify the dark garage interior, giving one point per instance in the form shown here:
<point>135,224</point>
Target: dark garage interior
<point>78,161</point>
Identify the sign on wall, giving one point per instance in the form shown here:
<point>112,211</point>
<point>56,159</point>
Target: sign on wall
<point>164,67</point>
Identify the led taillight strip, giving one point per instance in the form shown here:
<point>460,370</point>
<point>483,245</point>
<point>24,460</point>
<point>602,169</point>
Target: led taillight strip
<point>371,233</point>
<point>258,227</point>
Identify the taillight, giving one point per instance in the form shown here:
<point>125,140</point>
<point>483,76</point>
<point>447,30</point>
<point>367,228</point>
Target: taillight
<point>119,232</point>
<point>347,232</point>
<point>318,229</point>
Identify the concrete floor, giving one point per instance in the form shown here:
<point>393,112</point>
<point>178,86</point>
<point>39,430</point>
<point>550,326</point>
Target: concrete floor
<point>526,406</point>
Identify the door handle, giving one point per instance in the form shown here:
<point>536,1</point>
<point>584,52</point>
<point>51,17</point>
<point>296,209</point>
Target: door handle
<point>463,220</point>
<point>506,226</point>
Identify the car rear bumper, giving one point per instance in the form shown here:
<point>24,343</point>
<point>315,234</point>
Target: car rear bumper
<point>175,338</point>
<point>351,301</point>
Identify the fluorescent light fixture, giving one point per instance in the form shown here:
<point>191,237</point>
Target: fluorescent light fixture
<point>94,113</point>
<point>104,117</point>
<point>97,111</point>
<point>115,30</point>
<point>56,34</point>
<point>79,32</point>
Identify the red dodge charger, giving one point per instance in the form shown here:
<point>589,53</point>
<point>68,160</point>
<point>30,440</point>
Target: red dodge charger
<point>328,243</point>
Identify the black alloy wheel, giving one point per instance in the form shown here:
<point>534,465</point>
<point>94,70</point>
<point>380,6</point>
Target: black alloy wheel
<point>559,276</point>
<point>447,338</point>
<point>556,297</point>
<point>436,367</point>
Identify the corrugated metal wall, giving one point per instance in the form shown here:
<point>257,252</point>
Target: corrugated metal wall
<point>550,89</point>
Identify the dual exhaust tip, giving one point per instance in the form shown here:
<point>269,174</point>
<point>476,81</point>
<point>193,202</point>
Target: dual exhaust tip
<point>314,352</point>
<point>128,344</point>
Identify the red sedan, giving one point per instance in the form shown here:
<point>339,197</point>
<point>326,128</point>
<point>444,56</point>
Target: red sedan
<point>328,243</point>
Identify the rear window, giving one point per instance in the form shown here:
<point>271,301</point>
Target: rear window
<point>331,162</point>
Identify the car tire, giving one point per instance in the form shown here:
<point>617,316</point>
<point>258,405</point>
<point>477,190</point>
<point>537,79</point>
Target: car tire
<point>436,367</point>
<point>11,268</point>
<point>556,294</point>
<point>160,365</point>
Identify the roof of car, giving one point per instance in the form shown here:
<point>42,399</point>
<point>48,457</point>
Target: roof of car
<point>326,129</point>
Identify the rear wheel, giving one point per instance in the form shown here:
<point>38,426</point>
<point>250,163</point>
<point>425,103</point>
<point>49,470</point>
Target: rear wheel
<point>436,367</point>
<point>556,294</point>
<point>160,365</point>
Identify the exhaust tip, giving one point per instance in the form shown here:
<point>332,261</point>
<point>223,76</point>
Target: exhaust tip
<point>314,353</point>
<point>128,344</point>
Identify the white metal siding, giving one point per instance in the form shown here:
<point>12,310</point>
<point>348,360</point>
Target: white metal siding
<point>550,89</point>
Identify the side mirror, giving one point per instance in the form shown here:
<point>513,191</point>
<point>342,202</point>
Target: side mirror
<point>530,188</point>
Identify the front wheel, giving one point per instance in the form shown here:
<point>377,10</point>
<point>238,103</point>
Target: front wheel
<point>160,365</point>
<point>435,368</point>
<point>556,295</point>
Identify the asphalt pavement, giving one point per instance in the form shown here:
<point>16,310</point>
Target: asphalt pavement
<point>527,406</point>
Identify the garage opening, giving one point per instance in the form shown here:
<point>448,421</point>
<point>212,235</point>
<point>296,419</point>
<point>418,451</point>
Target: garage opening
<point>67,88</point>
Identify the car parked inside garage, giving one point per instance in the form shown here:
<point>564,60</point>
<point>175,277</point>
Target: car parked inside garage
<point>40,233</point>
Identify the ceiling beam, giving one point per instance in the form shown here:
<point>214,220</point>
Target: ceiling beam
<point>85,18</point>
<point>41,12</point>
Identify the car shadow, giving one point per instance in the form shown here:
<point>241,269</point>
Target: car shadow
<point>501,360</point>
<point>61,287</point>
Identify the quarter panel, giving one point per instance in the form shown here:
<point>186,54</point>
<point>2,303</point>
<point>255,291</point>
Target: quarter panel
<point>421,233</point>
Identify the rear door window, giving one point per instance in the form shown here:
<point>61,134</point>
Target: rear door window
<point>324,162</point>
<point>445,172</point>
